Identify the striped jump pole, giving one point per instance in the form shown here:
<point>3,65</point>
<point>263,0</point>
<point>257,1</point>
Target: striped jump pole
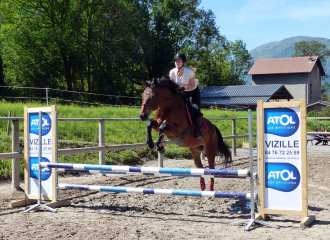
<point>158,191</point>
<point>183,171</point>
<point>145,174</point>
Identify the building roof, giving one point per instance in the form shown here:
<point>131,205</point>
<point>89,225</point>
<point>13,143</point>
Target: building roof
<point>243,94</point>
<point>286,65</point>
<point>323,103</point>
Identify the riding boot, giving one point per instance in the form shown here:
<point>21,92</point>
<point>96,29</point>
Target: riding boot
<point>199,134</point>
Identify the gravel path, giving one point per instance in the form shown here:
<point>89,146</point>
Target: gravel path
<point>101,215</point>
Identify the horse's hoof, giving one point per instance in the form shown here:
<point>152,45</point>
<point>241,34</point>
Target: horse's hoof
<point>152,148</point>
<point>162,150</point>
<point>211,187</point>
<point>202,183</point>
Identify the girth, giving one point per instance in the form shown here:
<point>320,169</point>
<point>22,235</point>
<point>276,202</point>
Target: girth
<point>180,140</point>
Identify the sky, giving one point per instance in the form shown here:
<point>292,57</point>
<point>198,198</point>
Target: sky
<point>257,22</point>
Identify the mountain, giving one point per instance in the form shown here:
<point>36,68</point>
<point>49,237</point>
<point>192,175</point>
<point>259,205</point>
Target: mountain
<point>284,49</point>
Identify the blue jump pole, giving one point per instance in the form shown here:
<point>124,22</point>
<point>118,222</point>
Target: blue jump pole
<point>183,171</point>
<point>158,191</point>
<point>146,174</point>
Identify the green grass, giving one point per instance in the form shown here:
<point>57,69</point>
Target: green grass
<point>5,165</point>
<point>116,132</point>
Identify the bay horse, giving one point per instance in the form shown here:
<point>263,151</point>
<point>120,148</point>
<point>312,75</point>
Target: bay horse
<point>172,120</point>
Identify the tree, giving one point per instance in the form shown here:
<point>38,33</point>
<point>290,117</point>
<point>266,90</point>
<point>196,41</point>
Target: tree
<point>2,80</point>
<point>38,43</point>
<point>325,90</point>
<point>223,63</point>
<point>312,48</point>
<point>110,46</point>
<point>239,61</point>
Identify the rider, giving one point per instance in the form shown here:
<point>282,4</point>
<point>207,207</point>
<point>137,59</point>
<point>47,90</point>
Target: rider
<point>185,77</point>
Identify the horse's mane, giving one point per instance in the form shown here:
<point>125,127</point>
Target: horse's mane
<point>164,82</point>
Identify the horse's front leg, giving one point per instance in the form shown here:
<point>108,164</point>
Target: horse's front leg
<point>150,142</point>
<point>159,143</point>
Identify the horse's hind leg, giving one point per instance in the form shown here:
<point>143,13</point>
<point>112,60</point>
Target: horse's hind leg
<point>211,150</point>
<point>197,160</point>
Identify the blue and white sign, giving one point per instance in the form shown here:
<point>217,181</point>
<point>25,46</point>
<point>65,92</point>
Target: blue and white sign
<point>283,122</point>
<point>34,123</point>
<point>34,170</point>
<point>282,158</point>
<point>47,149</point>
<point>283,177</point>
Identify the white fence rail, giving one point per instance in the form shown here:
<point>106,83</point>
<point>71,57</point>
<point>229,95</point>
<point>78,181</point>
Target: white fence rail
<point>15,155</point>
<point>43,94</point>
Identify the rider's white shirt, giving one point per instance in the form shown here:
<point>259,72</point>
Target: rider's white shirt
<point>184,79</point>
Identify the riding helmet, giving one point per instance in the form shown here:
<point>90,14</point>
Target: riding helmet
<point>180,56</point>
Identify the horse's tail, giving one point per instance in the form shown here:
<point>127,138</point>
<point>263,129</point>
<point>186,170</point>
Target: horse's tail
<point>223,148</point>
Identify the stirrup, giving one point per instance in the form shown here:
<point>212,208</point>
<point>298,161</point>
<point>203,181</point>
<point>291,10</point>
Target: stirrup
<point>199,136</point>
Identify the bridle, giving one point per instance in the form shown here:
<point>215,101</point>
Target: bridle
<point>154,105</point>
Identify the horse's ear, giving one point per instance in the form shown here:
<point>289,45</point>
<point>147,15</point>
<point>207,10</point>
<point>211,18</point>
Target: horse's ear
<point>144,84</point>
<point>155,82</point>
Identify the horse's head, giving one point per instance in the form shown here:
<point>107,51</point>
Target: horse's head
<point>156,91</point>
<point>149,99</point>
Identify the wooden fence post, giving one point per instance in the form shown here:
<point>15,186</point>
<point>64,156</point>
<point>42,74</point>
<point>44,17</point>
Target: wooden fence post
<point>15,161</point>
<point>101,141</point>
<point>234,134</point>
<point>8,126</point>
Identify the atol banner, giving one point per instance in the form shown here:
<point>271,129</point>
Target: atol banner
<point>47,145</point>
<point>282,158</point>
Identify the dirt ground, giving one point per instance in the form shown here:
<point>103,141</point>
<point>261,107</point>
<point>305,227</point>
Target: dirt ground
<point>102,215</point>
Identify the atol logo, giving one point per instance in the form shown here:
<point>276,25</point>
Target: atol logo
<point>34,169</point>
<point>34,123</point>
<point>284,177</point>
<point>282,122</point>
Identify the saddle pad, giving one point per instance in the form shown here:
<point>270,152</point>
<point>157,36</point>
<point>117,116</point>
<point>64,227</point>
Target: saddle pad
<point>205,127</point>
